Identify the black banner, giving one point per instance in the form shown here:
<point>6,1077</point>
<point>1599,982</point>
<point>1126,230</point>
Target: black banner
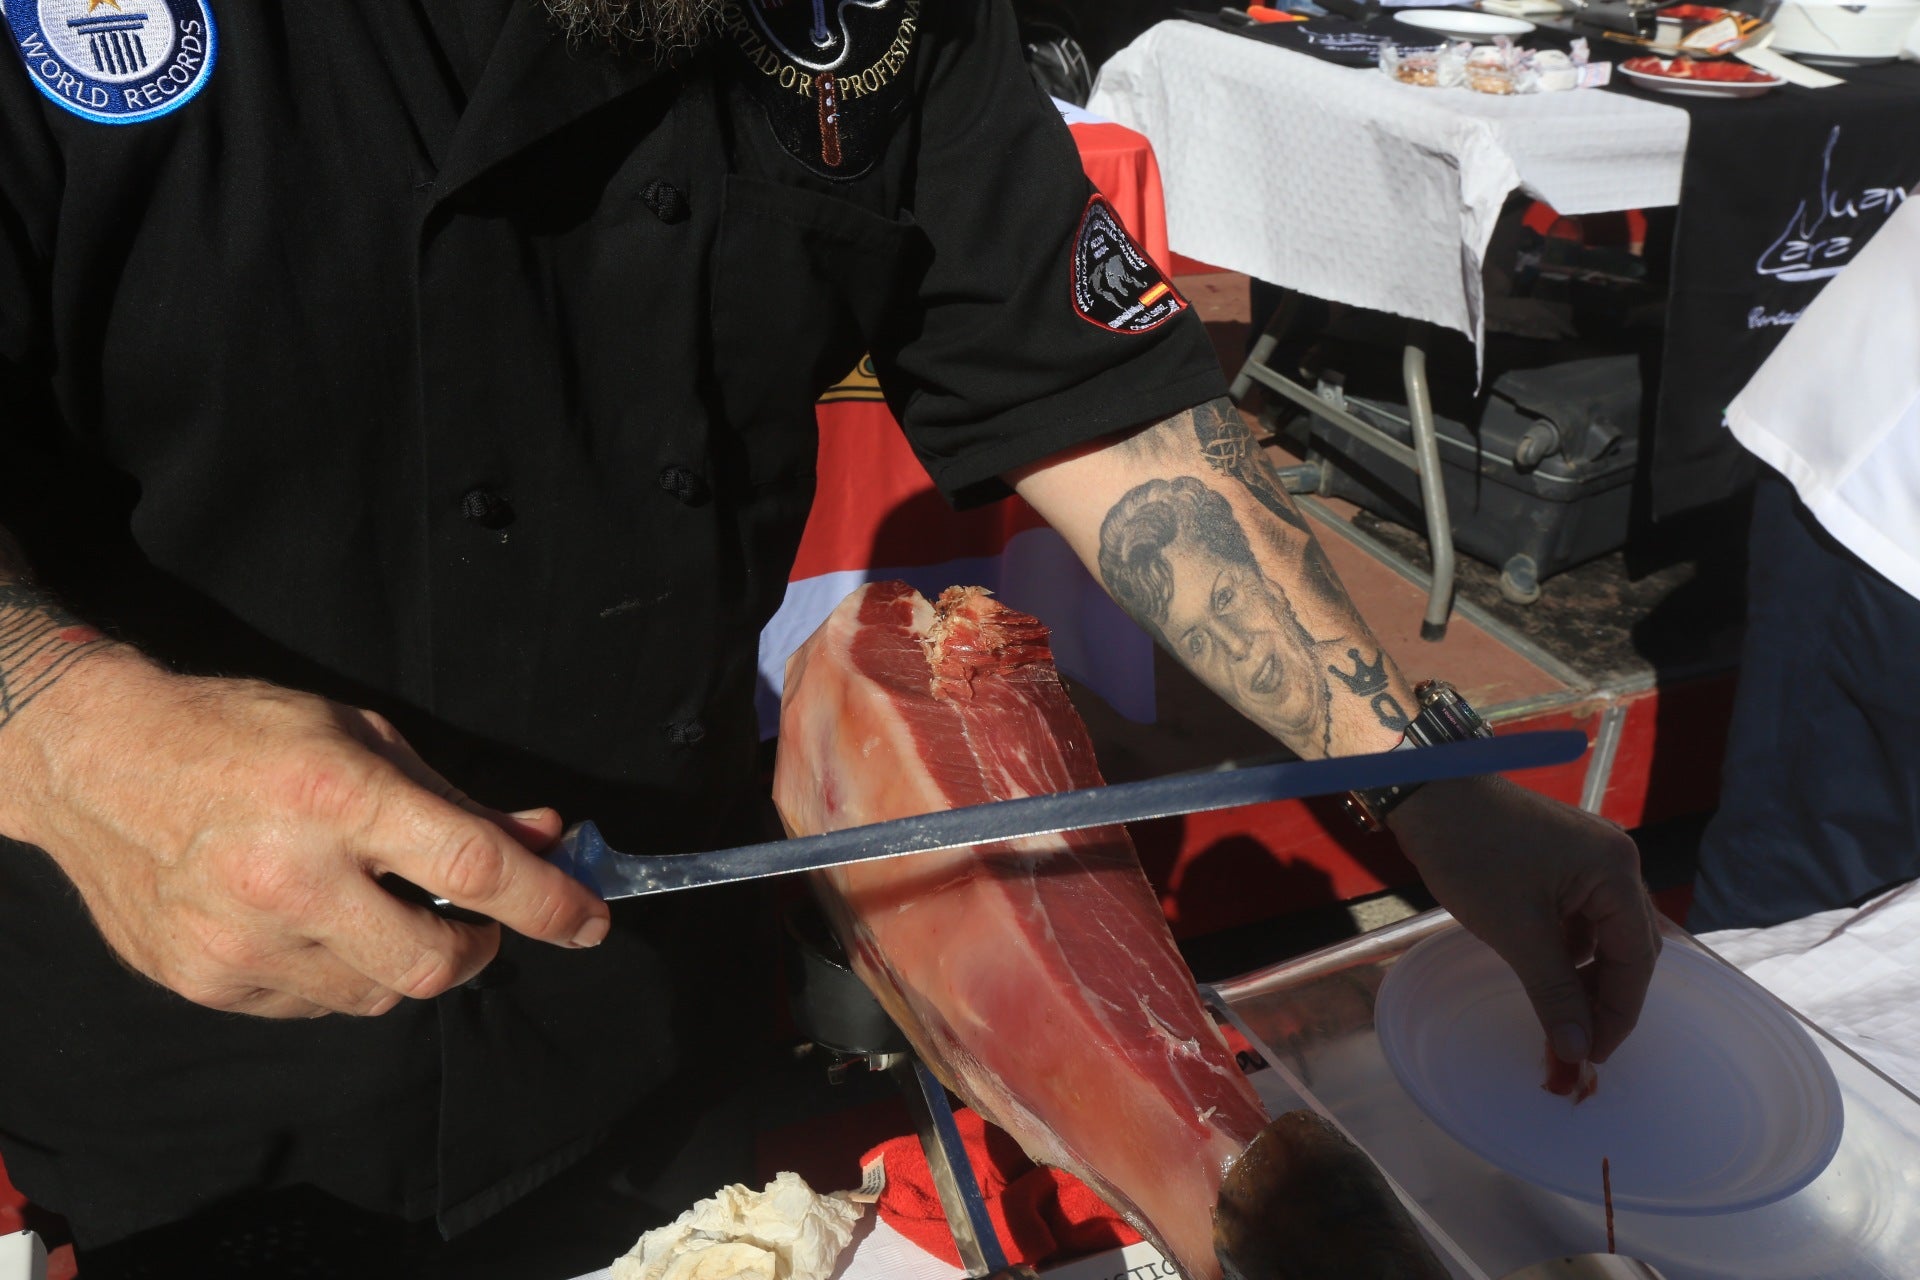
<point>1778,194</point>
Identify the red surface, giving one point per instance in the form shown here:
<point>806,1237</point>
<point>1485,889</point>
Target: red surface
<point>875,508</point>
<point>1120,164</point>
<point>1628,227</point>
<point>12,1204</point>
<point>17,1215</point>
<point>1668,761</point>
<point>1040,1215</point>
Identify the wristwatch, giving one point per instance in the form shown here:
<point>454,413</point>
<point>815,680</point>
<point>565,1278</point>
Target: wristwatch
<point>1444,717</point>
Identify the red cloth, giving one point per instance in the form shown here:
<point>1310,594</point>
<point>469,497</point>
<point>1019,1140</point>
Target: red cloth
<point>1041,1215</point>
<point>1120,163</point>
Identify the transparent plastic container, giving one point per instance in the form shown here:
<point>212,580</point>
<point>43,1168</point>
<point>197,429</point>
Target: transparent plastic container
<point>1312,1018</point>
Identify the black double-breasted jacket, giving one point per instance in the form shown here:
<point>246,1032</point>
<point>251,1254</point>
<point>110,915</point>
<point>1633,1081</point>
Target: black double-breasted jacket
<point>469,377</point>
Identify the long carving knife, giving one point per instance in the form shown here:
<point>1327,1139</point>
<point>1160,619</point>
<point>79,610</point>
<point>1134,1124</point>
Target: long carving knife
<point>584,854</point>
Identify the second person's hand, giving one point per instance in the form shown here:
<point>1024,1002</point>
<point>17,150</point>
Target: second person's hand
<point>1547,886</point>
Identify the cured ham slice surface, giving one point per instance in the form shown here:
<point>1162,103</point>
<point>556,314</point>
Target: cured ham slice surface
<point>1036,977</point>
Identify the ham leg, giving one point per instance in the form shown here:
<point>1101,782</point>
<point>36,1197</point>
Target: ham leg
<point>1036,977</point>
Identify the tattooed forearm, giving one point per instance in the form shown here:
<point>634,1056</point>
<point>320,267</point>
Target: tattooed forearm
<point>1369,680</point>
<point>40,642</point>
<point>1188,526</point>
<point>1175,556</point>
<point>1223,568</point>
<point>1232,451</point>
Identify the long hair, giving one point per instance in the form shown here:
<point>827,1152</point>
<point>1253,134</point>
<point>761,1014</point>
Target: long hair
<point>1136,533</point>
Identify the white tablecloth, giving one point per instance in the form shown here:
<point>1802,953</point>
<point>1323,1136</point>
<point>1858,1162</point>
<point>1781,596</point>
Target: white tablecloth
<point>1348,186</point>
<point>1854,972</point>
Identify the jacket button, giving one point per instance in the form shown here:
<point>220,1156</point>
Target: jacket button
<point>668,202</point>
<point>685,484</point>
<point>487,509</point>
<point>684,733</point>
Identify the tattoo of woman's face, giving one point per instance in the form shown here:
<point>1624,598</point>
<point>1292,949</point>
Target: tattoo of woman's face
<point>1174,555</point>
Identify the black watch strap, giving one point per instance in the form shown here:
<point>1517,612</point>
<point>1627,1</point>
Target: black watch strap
<point>1370,806</point>
<point>1444,716</point>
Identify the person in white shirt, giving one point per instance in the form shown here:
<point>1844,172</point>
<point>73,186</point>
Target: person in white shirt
<point>1820,803</point>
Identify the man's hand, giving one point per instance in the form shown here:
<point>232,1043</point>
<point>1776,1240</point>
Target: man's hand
<point>1547,886</point>
<point>227,837</point>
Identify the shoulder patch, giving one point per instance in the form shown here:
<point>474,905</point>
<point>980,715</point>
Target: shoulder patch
<point>831,75</point>
<point>114,61</point>
<point>1115,284</point>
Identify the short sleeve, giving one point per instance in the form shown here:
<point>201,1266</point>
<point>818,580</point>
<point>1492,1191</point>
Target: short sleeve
<point>1038,324</point>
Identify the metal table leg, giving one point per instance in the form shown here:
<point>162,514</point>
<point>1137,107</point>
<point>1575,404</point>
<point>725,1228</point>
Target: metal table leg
<point>1423,458</point>
<point>1256,359</point>
<point>1433,490</point>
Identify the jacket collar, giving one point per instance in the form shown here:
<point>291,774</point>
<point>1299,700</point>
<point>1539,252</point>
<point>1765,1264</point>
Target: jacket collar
<point>535,84</point>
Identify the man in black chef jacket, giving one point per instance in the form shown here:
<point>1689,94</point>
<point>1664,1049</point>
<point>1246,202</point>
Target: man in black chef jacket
<point>406,424</point>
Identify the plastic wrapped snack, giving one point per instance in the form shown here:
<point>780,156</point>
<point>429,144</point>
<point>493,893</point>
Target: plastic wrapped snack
<point>1500,68</point>
<point>1493,68</point>
<point>1554,72</point>
<point>1495,80</point>
<point>1434,68</point>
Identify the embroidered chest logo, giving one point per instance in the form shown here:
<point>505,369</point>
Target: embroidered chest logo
<point>830,74</point>
<point>115,61</point>
<point>1115,285</point>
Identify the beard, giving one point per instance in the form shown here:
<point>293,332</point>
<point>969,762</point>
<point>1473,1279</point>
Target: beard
<point>668,25</point>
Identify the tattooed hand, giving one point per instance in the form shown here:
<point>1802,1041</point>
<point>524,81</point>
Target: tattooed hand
<point>227,835</point>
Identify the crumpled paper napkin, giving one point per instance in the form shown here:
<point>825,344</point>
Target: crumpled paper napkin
<point>785,1232</point>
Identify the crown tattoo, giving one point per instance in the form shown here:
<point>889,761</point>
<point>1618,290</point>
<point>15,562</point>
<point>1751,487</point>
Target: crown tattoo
<point>1366,678</point>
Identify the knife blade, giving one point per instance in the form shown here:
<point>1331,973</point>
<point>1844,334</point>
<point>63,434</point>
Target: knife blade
<point>584,854</point>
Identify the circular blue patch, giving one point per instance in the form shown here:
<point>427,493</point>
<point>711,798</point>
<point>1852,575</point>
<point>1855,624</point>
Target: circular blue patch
<point>114,61</point>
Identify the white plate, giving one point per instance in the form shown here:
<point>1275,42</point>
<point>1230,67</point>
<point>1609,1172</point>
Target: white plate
<point>1840,59</point>
<point>1464,23</point>
<point>1687,88</point>
<point>1718,1102</point>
